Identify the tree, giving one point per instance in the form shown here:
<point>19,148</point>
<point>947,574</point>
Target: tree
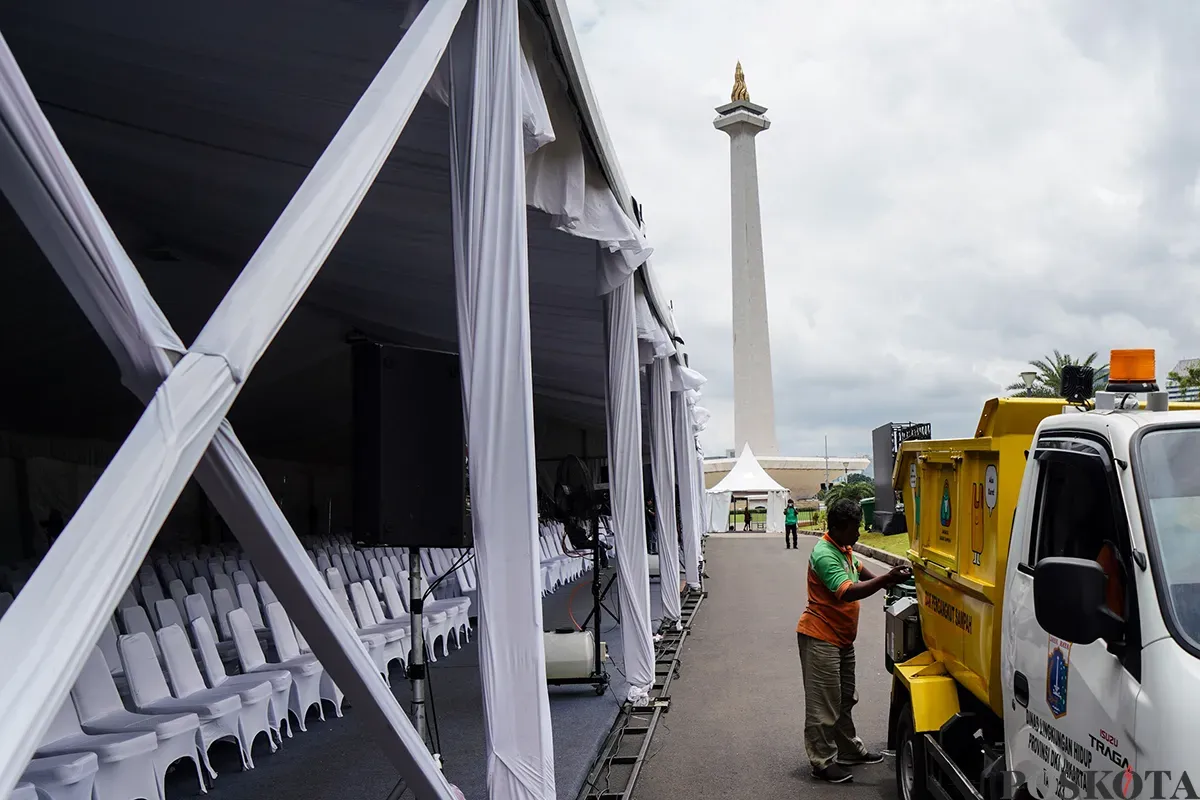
<point>1188,379</point>
<point>1048,382</point>
<point>848,491</point>
<point>858,477</point>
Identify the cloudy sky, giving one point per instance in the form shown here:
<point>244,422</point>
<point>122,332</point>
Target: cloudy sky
<point>948,190</point>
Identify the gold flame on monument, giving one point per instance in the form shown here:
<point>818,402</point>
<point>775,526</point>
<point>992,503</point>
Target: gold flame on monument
<point>740,92</point>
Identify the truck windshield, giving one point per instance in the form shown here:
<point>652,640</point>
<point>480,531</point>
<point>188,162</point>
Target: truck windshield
<point>1170,483</point>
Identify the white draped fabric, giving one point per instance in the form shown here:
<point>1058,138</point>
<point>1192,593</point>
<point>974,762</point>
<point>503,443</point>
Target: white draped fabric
<point>662,465</point>
<point>775,505</point>
<point>57,618</point>
<point>628,502</point>
<point>685,462</point>
<point>492,277</point>
<point>718,511</point>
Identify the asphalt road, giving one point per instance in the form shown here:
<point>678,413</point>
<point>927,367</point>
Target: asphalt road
<point>736,725</point>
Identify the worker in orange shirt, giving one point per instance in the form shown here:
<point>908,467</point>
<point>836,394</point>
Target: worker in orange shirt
<point>837,580</point>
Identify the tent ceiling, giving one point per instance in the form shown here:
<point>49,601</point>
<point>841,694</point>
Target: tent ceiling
<point>193,125</point>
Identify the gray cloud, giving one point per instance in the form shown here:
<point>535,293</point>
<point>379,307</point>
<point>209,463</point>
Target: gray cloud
<point>948,191</point>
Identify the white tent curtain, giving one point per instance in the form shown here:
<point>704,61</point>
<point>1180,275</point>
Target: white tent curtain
<point>686,384</point>
<point>662,465</point>
<point>492,279</point>
<point>718,511</point>
<point>685,462</point>
<point>57,618</point>
<point>563,180</point>
<point>628,503</point>
<point>776,501</point>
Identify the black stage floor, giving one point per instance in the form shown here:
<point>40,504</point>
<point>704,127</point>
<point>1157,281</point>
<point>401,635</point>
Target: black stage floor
<point>336,760</point>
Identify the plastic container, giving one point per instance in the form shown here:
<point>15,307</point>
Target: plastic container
<point>894,593</point>
<point>868,511</point>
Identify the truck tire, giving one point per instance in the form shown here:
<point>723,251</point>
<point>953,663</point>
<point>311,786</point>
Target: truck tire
<point>910,758</point>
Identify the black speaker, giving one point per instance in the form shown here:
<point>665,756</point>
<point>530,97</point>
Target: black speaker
<point>410,455</point>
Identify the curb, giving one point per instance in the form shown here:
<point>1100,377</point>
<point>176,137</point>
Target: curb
<point>871,552</point>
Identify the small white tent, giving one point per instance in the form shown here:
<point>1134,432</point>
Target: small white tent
<point>746,478</point>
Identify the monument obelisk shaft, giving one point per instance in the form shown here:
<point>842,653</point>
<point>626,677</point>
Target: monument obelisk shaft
<point>753,387</point>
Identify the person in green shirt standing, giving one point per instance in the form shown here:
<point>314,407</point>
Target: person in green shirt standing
<point>790,519</point>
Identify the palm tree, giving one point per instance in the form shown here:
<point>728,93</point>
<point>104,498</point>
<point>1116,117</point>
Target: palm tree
<point>847,491</point>
<point>1048,382</point>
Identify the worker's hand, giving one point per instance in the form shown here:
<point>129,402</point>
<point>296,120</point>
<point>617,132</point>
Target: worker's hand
<point>898,574</point>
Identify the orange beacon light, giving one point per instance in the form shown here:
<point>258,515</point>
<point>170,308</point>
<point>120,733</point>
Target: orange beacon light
<point>1131,371</point>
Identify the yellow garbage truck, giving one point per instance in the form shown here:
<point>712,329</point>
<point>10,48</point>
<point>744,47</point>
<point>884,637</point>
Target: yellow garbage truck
<point>1052,649</point>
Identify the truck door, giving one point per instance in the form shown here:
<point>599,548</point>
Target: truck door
<point>1073,704</point>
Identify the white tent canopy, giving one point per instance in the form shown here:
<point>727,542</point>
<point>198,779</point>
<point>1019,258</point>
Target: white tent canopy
<point>405,221</point>
<point>746,478</point>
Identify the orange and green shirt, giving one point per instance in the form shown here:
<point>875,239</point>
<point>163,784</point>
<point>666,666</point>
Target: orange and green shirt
<point>831,571</point>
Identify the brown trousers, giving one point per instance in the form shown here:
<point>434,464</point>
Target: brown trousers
<point>829,697</point>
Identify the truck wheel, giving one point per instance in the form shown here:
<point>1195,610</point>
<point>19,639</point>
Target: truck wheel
<point>910,758</point>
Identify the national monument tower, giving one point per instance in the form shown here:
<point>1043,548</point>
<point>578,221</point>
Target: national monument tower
<point>753,388</point>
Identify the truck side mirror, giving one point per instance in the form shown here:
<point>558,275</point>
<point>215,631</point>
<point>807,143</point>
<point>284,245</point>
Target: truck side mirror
<point>1070,601</point>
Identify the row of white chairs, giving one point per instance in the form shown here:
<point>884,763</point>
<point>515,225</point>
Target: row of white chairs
<point>98,748</point>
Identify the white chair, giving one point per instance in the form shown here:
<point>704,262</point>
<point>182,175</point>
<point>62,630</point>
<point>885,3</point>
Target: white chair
<point>377,573</point>
<point>102,711</point>
<point>241,577</point>
<point>323,562</point>
<point>166,571</point>
<point>135,620</point>
<point>230,567</point>
<point>108,646</point>
<point>433,623</point>
<point>150,694</point>
<point>214,671</point>
<point>187,684</point>
<point>196,609</point>
<point>202,587</point>
<point>168,615</point>
<point>222,581</point>
<point>70,776</point>
<point>125,761</point>
<point>266,595</point>
<point>287,646</point>
<point>27,791</point>
<point>248,601</point>
<point>178,591</point>
<point>381,615</point>
<point>223,603</point>
<point>306,671</point>
<point>360,565</point>
<point>443,614</point>
<point>148,577</point>
<point>374,642</point>
<point>187,572</point>
<point>128,600</point>
<point>397,635</point>
<point>245,566</point>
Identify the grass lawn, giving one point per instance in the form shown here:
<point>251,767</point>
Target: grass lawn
<point>896,544</point>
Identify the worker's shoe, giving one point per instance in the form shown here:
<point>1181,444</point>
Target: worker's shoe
<point>833,774</point>
<point>864,758</point>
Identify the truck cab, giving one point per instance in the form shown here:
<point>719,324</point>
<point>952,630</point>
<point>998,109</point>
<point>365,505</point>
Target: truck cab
<point>1054,643</point>
<point>1101,618</point>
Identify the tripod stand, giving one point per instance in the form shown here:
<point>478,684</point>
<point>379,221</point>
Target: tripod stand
<point>599,677</point>
<point>598,598</point>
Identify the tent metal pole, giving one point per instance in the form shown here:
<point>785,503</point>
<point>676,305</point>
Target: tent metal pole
<point>416,667</point>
